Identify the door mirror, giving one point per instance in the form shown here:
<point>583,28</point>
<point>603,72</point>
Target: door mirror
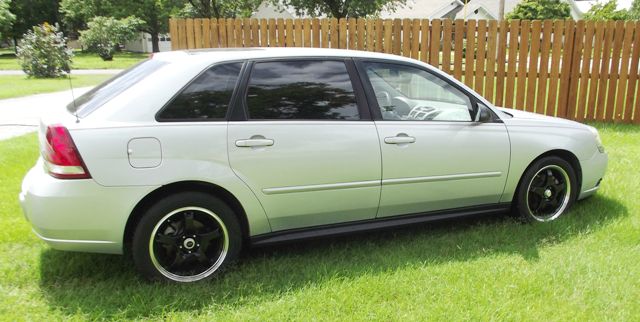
<point>483,115</point>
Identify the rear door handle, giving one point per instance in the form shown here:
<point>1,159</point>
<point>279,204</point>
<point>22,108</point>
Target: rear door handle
<point>250,143</point>
<point>399,139</point>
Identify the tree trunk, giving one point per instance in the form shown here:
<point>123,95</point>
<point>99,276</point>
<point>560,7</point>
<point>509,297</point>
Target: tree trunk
<point>155,42</point>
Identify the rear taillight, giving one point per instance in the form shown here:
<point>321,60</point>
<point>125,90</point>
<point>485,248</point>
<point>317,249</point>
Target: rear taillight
<point>61,157</point>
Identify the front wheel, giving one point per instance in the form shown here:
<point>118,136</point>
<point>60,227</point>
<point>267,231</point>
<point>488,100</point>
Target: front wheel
<point>186,237</point>
<point>547,190</point>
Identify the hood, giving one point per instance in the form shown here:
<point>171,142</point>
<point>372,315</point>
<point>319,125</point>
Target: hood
<point>519,117</point>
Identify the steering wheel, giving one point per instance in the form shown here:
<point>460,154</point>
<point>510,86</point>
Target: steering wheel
<point>384,100</point>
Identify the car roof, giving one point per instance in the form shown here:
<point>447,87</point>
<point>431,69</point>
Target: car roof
<point>223,54</point>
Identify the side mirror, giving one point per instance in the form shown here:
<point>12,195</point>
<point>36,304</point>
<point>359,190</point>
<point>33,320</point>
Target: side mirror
<point>483,115</point>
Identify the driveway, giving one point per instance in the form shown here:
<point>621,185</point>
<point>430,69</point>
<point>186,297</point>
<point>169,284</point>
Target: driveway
<point>21,115</point>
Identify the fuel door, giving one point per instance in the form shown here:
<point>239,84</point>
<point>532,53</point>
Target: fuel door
<point>144,152</point>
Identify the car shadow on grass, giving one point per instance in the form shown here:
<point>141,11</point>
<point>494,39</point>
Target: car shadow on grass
<point>107,286</point>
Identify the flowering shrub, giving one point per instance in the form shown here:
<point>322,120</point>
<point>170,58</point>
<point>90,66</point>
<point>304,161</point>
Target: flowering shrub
<point>43,52</point>
<point>106,33</point>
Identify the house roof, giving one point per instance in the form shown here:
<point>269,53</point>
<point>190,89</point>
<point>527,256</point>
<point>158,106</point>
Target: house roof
<point>491,7</point>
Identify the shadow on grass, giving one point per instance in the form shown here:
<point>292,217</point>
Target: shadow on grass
<point>106,286</point>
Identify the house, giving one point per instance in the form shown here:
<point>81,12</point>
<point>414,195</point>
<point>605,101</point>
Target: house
<point>142,43</point>
<point>425,9</point>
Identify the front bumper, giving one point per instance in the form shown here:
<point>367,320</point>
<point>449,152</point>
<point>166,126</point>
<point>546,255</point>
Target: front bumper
<point>78,215</point>
<point>593,171</point>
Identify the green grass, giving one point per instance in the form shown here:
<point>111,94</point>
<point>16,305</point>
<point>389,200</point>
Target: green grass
<point>18,85</point>
<point>83,60</point>
<point>584,266</point>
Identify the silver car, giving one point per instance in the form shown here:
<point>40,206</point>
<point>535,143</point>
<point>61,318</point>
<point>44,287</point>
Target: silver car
<point>189,156</point>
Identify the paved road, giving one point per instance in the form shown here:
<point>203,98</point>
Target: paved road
<point>21,115</point>
<point>73,72</point>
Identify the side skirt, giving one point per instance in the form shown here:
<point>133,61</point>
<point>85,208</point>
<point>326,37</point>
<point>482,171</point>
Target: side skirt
<point>374,224</point>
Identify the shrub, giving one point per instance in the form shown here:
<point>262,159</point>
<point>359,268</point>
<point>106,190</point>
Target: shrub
<point>540,10</point>
<point>606,11</point>
<point>104,34</point>
<point>43,52</point>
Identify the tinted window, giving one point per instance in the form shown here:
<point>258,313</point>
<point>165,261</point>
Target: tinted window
<point>207,97</point>
<point>310,90</point>
<point>104,92</point>
<point>413,94</point>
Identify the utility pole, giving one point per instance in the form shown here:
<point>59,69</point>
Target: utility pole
<point>501,10</point>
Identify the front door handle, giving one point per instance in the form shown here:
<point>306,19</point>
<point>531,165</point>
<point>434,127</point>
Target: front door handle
<point>399,139</point>
<point>250,143</point>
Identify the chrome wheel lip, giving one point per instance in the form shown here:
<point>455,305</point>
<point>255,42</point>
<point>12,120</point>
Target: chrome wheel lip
<point>206,273</point>
<point>565,200</point>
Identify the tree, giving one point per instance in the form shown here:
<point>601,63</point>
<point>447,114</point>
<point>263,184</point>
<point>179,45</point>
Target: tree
<point>341,8</point>
<point>606,11</point>
<point>6,19</point>
<point>219,8</point>
<point>154,13</point>
<point>105,33</point>
<point>541,9</point>
<point>634,11</point>
<point>77,13</point>
<point>31,13</point>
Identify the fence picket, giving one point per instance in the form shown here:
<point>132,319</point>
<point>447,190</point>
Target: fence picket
<point>469,53</point>
<point>458,47</point>
<point>480,57</point>
<point>633,80</point>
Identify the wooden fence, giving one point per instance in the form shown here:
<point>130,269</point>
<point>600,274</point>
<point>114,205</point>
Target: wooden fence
<point>580,70</point>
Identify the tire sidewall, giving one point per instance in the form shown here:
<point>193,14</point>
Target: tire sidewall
<point>155,213</point>
<point>522,210</point>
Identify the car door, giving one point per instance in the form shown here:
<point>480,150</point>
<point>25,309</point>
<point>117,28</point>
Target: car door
<point>435,157</point>
<point>306,144</point>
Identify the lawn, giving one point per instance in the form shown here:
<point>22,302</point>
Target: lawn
<point>19,85</point>
<point>83,60</point>
<point>584,266</point>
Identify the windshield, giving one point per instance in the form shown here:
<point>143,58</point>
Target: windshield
<point>111,88</point>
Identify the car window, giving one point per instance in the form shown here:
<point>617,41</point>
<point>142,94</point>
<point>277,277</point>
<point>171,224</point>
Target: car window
<point>205,98</point>
<point>101,94</point>
<point>413,94</point>
<point>301,89</point>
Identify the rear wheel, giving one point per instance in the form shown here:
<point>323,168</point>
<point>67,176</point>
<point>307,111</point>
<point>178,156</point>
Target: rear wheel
<point>186,237</point>
<point>546,190</point>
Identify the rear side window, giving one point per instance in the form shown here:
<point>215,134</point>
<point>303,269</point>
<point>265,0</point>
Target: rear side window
<point>101,94</point>
<point>206,98</point>
<point>301,89</point>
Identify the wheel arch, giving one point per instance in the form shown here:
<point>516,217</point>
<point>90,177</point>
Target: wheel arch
<point>561,153</point>
<point>182,186</point>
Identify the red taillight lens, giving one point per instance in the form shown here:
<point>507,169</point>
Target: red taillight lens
<point>61,156</point>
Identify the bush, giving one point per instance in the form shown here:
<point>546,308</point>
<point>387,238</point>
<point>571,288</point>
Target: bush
<point>606,11</point>
<point>43,52</point>
<point>540,10</point>
<point>106,33</point>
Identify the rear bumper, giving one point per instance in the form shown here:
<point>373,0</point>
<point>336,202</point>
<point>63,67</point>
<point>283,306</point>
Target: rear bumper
<point>593,171</point>
<point>78,215</point>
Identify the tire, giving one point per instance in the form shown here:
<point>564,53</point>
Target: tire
<point>546,191</point>
<point>186,237</point>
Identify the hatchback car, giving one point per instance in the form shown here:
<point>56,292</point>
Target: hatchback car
<point>189,156</point>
